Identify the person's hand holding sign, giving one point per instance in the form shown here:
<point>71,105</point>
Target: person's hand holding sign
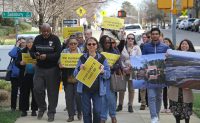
<point>102,68</point>
<point>82,67</point>
<point>22,63</point>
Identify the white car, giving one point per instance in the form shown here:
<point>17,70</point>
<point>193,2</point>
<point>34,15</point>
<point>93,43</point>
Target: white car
<point>136,29</point>
<point>186,24</point>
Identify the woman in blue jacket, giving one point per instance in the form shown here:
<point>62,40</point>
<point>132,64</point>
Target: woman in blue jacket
<point>98,89</point>
<point>15,80</point>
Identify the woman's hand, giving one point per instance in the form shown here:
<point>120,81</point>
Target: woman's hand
<point>61,66</point>
<point>102,68</point>
<point>82,67</point>
<point>22,63</point>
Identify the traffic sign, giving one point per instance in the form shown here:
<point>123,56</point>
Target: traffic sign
<point>16,14</point>
<point>70,22</point>
<point>81,11</point>
<point>184,12</point>
<point>103,13</point>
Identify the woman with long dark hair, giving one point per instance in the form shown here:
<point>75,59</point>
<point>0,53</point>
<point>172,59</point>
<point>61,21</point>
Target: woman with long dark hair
<point>181,98</point>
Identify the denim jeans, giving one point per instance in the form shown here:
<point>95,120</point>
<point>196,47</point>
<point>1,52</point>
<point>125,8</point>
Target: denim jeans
<point>86,98</point>
<point>108,105</point>
<point>154,100</point>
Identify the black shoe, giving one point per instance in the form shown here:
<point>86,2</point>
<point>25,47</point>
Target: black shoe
<point>23,114</point>
<point>119,108</point>
<point>79,116</point>
<point>50,118</point>
<point>142,107</point>
<point>70,119</point>
<point>33,113</point>
<point>40,115</point>
<point>130,109</point>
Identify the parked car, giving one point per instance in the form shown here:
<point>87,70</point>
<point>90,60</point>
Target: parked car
<point>195,25</point>
<point>136,29</point>
<point>186,24</point>
<point>178,22</point>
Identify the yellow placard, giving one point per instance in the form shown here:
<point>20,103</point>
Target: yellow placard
<point>67,31</point>
<point>112,58</point>
<point>90,73</point>
<point>28,59</point>
<point>112,23</point>
<point>81,11</point>
<point>70,60</point>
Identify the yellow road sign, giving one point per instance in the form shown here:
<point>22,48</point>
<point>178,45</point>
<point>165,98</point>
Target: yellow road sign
<point>81,11</point>
<point>103,13</point>
<point>184,12</point>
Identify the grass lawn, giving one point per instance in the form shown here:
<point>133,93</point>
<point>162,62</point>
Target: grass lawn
<point>8,116</point>
<point>196,104</point>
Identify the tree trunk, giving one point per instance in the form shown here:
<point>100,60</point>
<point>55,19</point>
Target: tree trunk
<point>54,24</point>
<point>41,16</point>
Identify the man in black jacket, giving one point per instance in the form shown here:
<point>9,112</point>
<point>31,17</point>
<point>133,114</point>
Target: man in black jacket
<point>46,49</point>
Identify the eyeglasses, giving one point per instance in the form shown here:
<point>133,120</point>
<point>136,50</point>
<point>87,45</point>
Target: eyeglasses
<point>73,43</point>
<point>94,44</point>
<point>130,38</point>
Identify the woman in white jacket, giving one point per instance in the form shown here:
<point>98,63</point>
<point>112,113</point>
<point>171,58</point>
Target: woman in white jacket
<point>130,49</point>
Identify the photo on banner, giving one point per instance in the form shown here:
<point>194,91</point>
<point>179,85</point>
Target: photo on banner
<point>148,71</point>
<point>90,73</point>
<point>183,69</point>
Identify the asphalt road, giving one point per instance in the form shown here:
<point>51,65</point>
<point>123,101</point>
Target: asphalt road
<point>182,34</point>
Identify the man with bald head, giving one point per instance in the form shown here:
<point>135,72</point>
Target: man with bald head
<point>46,50</point>
<point>87,34</point>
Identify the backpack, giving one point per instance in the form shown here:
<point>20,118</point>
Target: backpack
<point>101,59</point>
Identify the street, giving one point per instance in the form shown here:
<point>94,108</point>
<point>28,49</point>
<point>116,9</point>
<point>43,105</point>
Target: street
<point>182,34</point>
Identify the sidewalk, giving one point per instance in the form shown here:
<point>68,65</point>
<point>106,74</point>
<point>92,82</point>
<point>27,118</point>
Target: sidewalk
<point>122,117</point>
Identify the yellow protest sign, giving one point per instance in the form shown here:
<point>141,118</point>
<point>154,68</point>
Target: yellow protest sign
<point>28,59</point>
<point>70,60</point>
<point>67,31</point>
<point>112,23</point>
<point>112,58</point>
<point>81,11</point>
<point>90,73</point>
<point>103,13</point>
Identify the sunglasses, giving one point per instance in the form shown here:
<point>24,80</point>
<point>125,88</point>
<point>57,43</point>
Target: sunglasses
<point>94,44</point>
<point>130,38</point>
<point>73,43</point>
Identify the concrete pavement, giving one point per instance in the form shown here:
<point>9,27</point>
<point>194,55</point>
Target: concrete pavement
<point>122,117</point>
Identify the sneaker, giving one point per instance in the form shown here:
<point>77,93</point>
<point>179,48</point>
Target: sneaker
<point>40,115</point>
<point>50,118</point>
<point>130,109</point>
<point>119,108</point>
<point>154,120</point>
<point>70,119</point>
<point>142,107</point>
<point>33,113</point>
<point>79,116</point>
<point>23,114</point>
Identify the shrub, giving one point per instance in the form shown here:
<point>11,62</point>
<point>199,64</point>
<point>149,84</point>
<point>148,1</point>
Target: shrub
<point>24,26</point>
<point>5,85</point>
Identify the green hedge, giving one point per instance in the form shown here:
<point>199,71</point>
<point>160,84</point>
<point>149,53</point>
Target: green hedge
<point>24,26</point>
<point>5,85</point>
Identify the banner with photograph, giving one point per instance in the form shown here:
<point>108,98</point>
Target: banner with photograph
<point>148,71</point>
<point>90,73</point>
<point>183,69</point>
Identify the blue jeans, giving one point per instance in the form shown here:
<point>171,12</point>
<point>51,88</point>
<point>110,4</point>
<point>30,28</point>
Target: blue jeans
<point>108,105</point>
<point>86,107</point>
<point>154,100</point>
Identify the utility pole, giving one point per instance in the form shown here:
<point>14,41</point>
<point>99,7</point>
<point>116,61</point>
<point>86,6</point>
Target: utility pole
<point>174,22</point>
